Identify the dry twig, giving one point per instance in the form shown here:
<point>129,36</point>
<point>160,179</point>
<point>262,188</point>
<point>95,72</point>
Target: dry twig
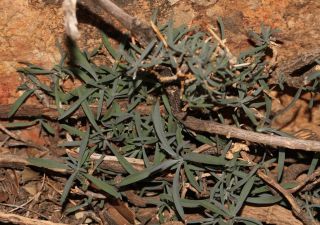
<point>26,142</point>
<point>140,29</point>
<point>109,162</point>
<point>112,163</point>
<point>21,220</point>
<point>33,111</point>
<point>233,132</point>
<point>308,179</point>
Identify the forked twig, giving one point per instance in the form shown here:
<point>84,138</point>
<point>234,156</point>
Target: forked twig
<point>314,176</point>
<point>298,212</point>
<point>140,29</point>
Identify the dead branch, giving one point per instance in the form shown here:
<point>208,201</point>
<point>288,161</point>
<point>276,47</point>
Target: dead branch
<point>307,180</point>
<point>17,162</point>
<point>233,132</point>
<point>34,111</point>
<point>12,161</point>
<point>290,70</point>
<point>109,162</point>
<point>24,142</point>
<point>140,29</point>
<point>296,209</point>
<point>112,163</point>
<point>311,199</point>
<point>21,220</point>
<point>70,18</point>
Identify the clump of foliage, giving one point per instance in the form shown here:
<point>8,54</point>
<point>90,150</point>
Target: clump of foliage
<point>214,85</point>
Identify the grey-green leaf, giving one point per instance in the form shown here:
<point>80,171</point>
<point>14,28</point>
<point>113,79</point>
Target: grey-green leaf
<point>156,118</point>
<point>176,192</point>
<point>103,186</point>
<point>19,102</point>
<point>76,105</point>
<point>141,175</point>
<point>205,159</point>
<point>47,163</point>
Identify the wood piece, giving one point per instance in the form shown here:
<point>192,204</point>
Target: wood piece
<point>21,220</point>
<point>274,214</point>
<point>295,72</point>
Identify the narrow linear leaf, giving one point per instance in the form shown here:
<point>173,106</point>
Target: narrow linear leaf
<point>47,127</point>
<point>247,221</point>
<point>90,116</point>
<point>57,95</point>
<point>188,203</point>
<point>176,192</point>
<point>82,149</point>
<point>77,104</point>
<point>221,27</point>
<point>281,158</point>
<point>100,103</point>
<point>72,130</point>
<point>141,175</point>
<point>67,187</point>
<point>108,46</point>
<point>243,195</point>
<point>156,118</point>
<point>250,114</point>
<point>77,207</point>
<point>213,208</point>
<point>265,199</point>
<point>191,177</point>
<point>82,75</point>
<point>103,185</point>
<point>122,160</point>
<point>20,124</point>
<point>19,102</point>
<point>166,104</point>
<point>47,163</point>
<point>82,61</point>
<point>314,163</point>
<point>205,159</point>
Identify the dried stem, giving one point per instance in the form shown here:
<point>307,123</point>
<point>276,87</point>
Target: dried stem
<point>233,132</point>
<point>17,162</point>
<point>21,220</point>
<point>25,142</point>
<point>34,111</point>
<point>313,177</point>
<point>112,163</point>
<point>141,30</point>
